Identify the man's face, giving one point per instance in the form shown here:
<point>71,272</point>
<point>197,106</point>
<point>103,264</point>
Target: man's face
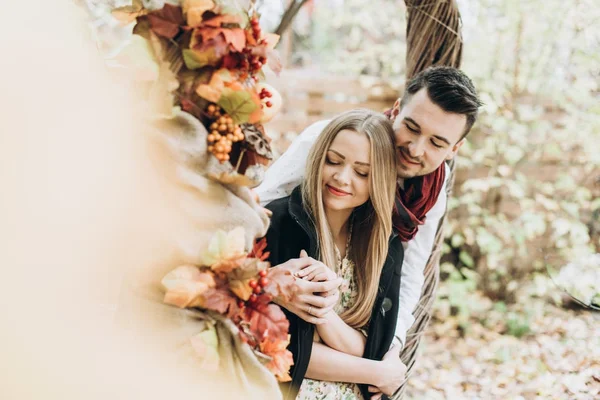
<point>426,135</point>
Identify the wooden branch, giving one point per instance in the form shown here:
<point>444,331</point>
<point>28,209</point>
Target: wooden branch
<point>289,15</point>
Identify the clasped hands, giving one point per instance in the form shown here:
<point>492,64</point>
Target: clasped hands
<point>317,289</point>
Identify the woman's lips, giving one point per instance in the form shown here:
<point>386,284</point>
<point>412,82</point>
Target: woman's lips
<point>336,191</point>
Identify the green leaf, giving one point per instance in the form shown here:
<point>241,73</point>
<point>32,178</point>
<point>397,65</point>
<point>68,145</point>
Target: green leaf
<point>238,104</point>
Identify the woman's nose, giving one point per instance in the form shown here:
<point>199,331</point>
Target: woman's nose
<point>342,176</point>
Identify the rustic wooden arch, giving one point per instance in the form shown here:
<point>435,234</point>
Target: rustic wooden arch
<point>433,35</point>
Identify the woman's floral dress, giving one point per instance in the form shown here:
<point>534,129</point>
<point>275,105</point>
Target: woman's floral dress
<point>322,390</point>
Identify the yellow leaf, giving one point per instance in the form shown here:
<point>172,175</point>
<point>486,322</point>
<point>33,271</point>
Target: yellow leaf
<point>194,10</point>
<point>226,251</point>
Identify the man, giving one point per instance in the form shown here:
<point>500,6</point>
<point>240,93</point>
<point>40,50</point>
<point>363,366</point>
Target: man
<point>431,121</point>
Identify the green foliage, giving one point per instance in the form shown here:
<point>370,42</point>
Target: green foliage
<point>525,194</point>
<point>354,37</point>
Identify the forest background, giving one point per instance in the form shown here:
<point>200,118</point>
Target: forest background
<point>516,314</point>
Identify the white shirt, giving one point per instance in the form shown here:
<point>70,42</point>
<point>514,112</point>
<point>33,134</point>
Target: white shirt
<point>287,172</point>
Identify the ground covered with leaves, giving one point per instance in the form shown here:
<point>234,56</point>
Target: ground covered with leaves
<point>534,349</point>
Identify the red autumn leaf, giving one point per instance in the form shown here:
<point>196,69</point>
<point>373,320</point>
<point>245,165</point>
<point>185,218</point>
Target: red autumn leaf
<point>167,21</point>
<point>219,20</point>
<point>258,250</point>
<point>266,320</point>
<point>281,358</point>
<point>282,284</point>
<point>221,300</point>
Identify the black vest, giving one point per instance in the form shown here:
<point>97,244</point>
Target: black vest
<point>292,230</point>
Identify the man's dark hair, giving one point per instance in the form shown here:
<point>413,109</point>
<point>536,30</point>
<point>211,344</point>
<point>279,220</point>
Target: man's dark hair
<point>450,89</point>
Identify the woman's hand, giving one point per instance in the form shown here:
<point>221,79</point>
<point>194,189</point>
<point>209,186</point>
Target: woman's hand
<point>392,372</point>
<point>311,300</point>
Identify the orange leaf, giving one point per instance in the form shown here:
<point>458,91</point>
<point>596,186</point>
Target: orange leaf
<point>258,250</point>
<point>236,38</point>
<point>282,358</point>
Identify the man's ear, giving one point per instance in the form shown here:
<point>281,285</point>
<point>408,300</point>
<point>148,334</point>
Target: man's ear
<point>455,148</point>
<point>395,110</point>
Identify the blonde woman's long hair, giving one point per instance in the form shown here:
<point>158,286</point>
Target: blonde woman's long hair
<point>372,221</point>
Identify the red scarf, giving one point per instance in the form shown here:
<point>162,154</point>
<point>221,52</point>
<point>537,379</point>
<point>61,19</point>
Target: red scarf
<point>416,199</point>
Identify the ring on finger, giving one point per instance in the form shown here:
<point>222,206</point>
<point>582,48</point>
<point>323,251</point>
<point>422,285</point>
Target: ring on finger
<point>310,310</point>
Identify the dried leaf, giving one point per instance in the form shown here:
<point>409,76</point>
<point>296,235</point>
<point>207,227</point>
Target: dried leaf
<point>266,320</point>
<point>257,141</point>
<point>206,345</point>
<point>271,40</point>
<point>239,279</point>
<point>212,91</point>
<point>128,14</point>
<point>221,300</point>
<point>194,9</point>
<point>236,38</point>
<point>281,358</point>
<point>185,286</point>
<point>226,250</point>
<point>239,104</point>
<point>167,21</point>
<point>222,19</point>
<point>281,284</point>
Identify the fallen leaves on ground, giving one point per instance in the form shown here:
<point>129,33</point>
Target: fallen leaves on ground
<point>559,357</point>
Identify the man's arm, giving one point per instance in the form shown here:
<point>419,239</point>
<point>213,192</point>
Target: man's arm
<point>416,254</point>
<point>288,171</point>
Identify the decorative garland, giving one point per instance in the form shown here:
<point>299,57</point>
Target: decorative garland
<point>217,58</point>
<point>241,287</point>
<point>213,57</point>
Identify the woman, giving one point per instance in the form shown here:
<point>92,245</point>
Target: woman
<point>340,215</point>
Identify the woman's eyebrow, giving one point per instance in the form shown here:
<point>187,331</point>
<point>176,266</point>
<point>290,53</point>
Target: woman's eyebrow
<point>343,158</point>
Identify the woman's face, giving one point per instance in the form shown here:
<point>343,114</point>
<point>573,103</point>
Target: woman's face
<point>345,177</point>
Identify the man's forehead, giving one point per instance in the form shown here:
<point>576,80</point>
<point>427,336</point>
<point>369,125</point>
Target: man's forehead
<point>420,110</point>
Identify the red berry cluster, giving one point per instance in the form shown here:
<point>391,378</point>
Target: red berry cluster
<point>257,288</point>
<point>264,93</point>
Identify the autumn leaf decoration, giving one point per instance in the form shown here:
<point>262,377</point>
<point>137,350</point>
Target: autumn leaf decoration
<point>218,58</point>
<point>240,286</point>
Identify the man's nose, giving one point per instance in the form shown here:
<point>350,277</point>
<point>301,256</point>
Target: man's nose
<point>416,148</point>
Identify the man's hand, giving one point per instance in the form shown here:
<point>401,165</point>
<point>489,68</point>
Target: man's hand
<point>312,300</point>
<point>391,375</point>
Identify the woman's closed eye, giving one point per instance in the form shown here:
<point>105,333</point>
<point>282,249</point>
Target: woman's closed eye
<point>362,174</point>
<point>331,162</point>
